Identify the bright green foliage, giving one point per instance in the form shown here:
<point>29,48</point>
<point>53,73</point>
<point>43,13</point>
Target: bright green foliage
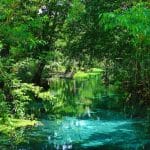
<point>91,72</point>
<point>27,44</point>
<point>131,68</point>
<point>15,123</point>
<point>67,37</point>
<point>76,11</point>
<point>25,94</point>
<point>135,19</point>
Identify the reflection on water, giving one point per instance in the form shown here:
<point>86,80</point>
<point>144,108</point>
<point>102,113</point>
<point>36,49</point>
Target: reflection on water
<point>113,132</point>
<point>78,96</point>
<point>88,126</point>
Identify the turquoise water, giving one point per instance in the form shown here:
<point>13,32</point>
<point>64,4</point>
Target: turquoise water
<point>93,117</point>
<point>110,130</point>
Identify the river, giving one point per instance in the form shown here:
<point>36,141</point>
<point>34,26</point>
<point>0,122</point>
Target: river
<point>90,120</point>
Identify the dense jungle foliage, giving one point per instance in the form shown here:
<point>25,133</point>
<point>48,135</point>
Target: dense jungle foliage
<point>41,40</point>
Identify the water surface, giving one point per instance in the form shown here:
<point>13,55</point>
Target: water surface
<point>93,117</point>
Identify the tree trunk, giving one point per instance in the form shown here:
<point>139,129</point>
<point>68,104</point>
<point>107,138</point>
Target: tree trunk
<point>38,74</point>
<point>5,50</point>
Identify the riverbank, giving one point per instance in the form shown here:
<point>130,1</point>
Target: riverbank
<point>13,124</point>
<point>85,74</point>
